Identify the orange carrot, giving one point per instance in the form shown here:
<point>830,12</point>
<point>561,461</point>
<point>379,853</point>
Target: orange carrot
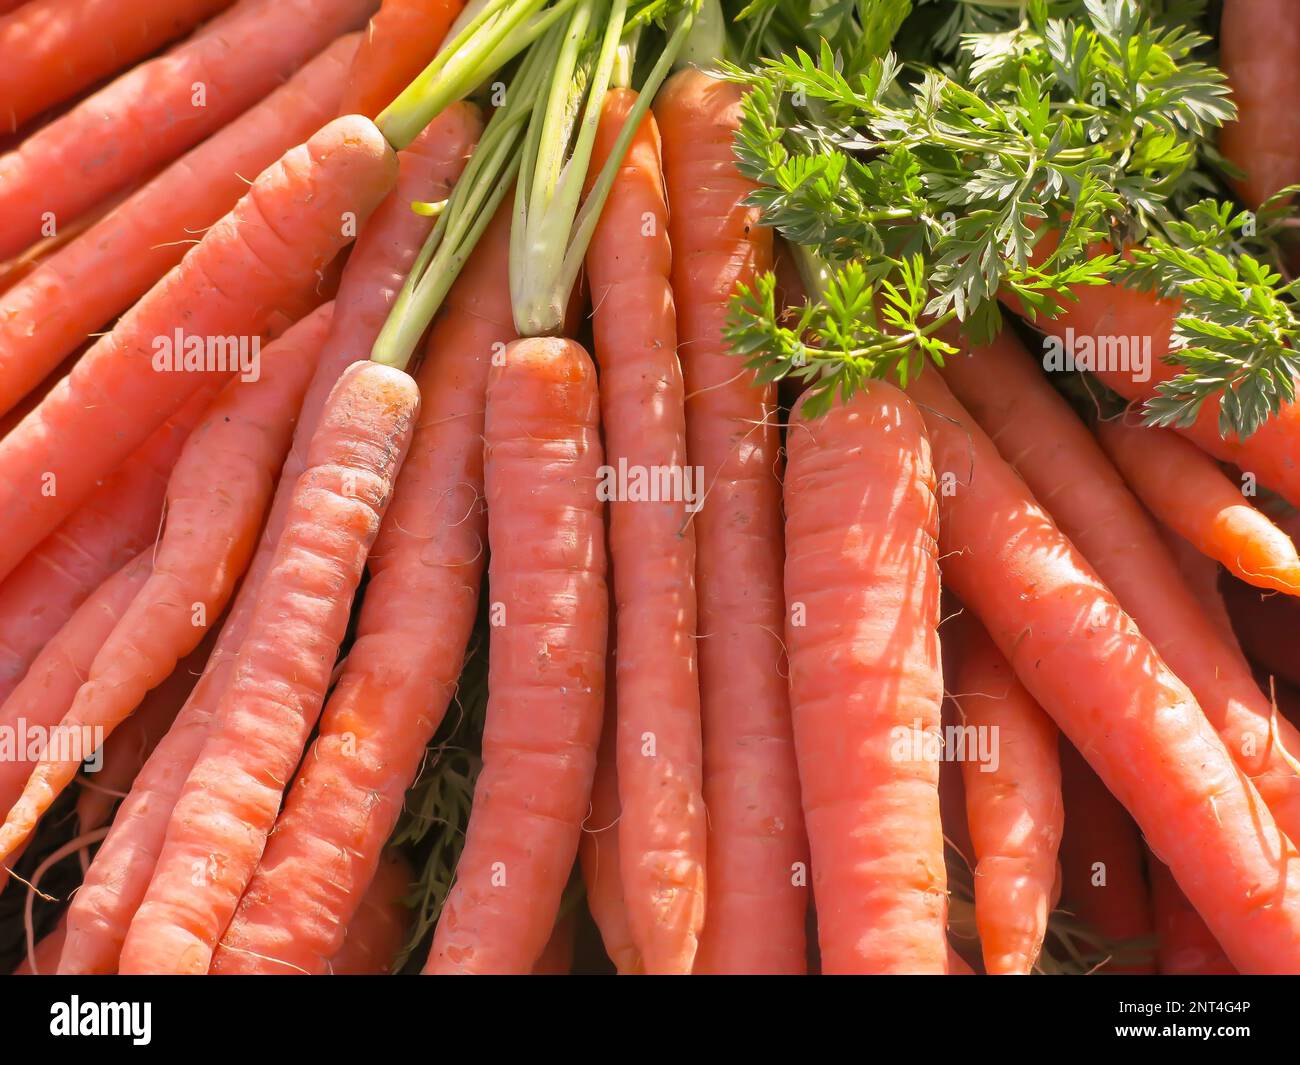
<point>862,588</point>
<point>46,953</point>
<point>403,36</point>
<point>546,675</point>
<point>419,612</point>
<point>1013,801</point>
<point>1186,489</point>
<point>1063,465</point>
<point>598,852</point>
<point>128,748</point>
<point>158,110</point>
<point>1184,946</point>
<point>216,500</point>
<point>662,829</point>
<point>757,843</point>
<point>100,274</point>
<point>54,48</point>
<point>118,521</point>
<point>51,683</point>
<point>1260,53</point>
<point>119,876</point>
<point>293,221</point>
<point>1085,662</point>
<point>230,799</point>
<point>376,933</point>
<point>1101,868</point>
<point>557,955</point>
<point>1201,575</point>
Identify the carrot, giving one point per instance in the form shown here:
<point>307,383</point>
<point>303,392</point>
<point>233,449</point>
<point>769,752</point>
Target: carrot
<point>84,285</point>
<point>377,932</point>
<point>419,611</point>
<point>1062,463</point>
<point>1201,575</point>
<point>1082,658</point>
<point>289,225</point>
<point>557,956</point>
<point>546,673</point>
<point>1184,946</point>
<point>54,48</point>
<point>159,109</point>
<point>1014,805</point>
<point>119,520</point>
<point>119,876</point>
<point>1184,488</point>
<point>126,750</point>
<point>1260,53</point>
<point>46,953</point>
<point>757,843</point>
<point>216,500</point>
<point>1102,868</point>
<point>662,829</point>
<point>231,796</point>
<point>862,588</point>
<point>1265,624</point>
<point>57,672</point>
<point>598,852</point>
<point>402,37</point>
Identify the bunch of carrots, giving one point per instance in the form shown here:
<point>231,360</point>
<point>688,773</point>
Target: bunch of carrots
<point>411,563</point>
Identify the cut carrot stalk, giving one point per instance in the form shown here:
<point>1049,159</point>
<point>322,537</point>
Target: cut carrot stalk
<point>1013,803</point>
<point>420,608</point>
<point>377,931</point>
<point>542,461</point>
<point>1085,662</point>
<point>1184,488</point>
<point>228,805</point>
<point>158,110</point>
<point>1102,870</point>
<point>293,221</point>
<point>55,48</point>
<point>866,686</point>
<point>401,39</point>
<point>662,828</point>
<point>1062,463</point>
<point>216,502</point>
<point>119,876</point>
<point>118,521</point>
<point>756,836</point>
<point>52,682</point>
<point>86,284</point>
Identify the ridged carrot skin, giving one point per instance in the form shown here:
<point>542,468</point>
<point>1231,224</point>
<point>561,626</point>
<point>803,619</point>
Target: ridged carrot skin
<point>101,273</point>
<point>54,48</point>
<point>216,502</point>
<point>118,520</point>
<point>1014,805</point>
<point>1085,662</point>
<point>866,684</point>
<point>228,806</point>
<point>289,225</point>
<point>403,36</point>
<point>1187,490</point>
<point>663,832</point>
<point>1184,946</point>
<point>1061,462</point>
<point>377,931</point>
<point>751,785</point>
<point>1259,43</point>
<point>401,673</point>
<point>546,672</point>
<point>119,876</point>
<point>159,109</point>
<point>1102,869</point>
<point>57,672</point>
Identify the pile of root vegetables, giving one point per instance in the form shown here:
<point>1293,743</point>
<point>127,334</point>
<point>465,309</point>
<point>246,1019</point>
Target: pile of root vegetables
<point>566,486</point>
